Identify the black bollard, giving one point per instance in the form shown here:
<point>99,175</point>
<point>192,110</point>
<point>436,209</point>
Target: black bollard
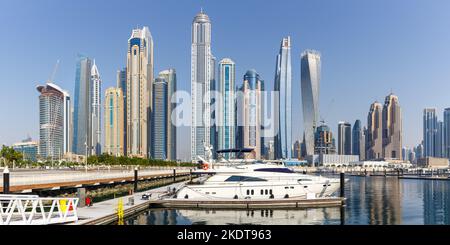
<point>174,175</point>
<point>342,215</point>
<point>365,172</point>
<point>6,181</point>
<point>136,180</point>
<point>342,194</point>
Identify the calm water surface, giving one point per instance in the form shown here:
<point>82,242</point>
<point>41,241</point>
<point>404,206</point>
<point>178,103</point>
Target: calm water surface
<point>371,200</point>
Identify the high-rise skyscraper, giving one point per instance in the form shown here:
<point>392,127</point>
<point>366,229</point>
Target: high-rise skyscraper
<point>447,133</point>
<point>122,84</point>
<point>324,140</point>
<point>250,111</point>
<point>362,144</point>
<point>96,111</point>
<point>439,144</point>
<point>54,121</point>
<point>201,74</point>
<point>310,79</point>
<point>392,128</point>
<point>374,132</point>
<point>82,118</point>
<point>170,77</point>
<point>344,138</point>
<point>226,108</point>
<point>283,80</point>
<point>139,79</point>
<point>356,137</point>
<point>429,131</point>
<point>113,122</point>
<point>419,150</point>
<point>296,150</point>
<point>405,154</point>
<point>159,119</point>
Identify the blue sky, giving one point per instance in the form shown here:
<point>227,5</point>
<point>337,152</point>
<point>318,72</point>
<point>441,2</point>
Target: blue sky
<point>369,48</point>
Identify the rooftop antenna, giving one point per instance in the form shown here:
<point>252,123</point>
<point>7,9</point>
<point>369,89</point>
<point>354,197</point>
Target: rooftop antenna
<point>201,10</point>
<point>52,76</point>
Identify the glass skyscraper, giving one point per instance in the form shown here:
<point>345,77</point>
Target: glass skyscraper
<point>447,133</point>
<point>357,141</point>
<point>82,127</point>
<point>283,80</point>
<point>170,76</point>
<point>122,84</point>
<point>310,79</point>
<point>344,138</point>
<point>201,76</point>
<point>54,119</point>
<point>159,119</point>
<point>429,131</point>
<point>226,109</point>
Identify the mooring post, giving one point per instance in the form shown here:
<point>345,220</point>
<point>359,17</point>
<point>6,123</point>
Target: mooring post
<point>342,194</point>
<point>190,175</point>
<point>135,179</point>
<point>6,180</point>
<point>385,173</point>
<point>174,174</point>
<point>365,172</point>
<point>342,215</point>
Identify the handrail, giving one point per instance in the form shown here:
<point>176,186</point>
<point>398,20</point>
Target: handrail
<point>35,210</point>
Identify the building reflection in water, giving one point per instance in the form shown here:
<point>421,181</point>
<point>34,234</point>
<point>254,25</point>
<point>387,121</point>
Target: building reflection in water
<point>374,200</point>
<point>228,217</point>
<point>436,201</point>
<point>370,200</point>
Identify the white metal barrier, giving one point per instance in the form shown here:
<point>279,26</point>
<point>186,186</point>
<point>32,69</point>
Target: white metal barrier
<point>35,210</point>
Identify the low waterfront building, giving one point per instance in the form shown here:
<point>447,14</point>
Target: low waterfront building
<point>72,157</point>
<point>370,164</point>
<point>433,162</point>
<point>333,160</point>
<point>29,150</point>
<point>295,162</point>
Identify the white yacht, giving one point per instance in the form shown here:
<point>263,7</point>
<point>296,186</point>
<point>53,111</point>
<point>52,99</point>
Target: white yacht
<point>259,181</point>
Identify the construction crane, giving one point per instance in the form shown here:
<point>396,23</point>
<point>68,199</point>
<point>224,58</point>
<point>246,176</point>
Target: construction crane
<point>52,76</point>
<point>322,116</point>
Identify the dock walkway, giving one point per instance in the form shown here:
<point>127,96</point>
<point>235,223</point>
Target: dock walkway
<point>106,212</point>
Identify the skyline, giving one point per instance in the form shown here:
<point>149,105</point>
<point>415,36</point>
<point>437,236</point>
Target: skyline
<point>339,79</point>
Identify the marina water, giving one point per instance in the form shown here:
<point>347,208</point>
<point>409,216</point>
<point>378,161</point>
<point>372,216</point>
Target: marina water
<point>370,201</point>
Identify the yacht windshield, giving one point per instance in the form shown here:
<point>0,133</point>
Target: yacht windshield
<point>277,170</point>
<point>235,178</point>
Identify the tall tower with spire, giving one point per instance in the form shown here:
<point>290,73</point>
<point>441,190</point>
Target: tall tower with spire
<point>96,110</point>
<point>202,71</point>
<point>139,91</point>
